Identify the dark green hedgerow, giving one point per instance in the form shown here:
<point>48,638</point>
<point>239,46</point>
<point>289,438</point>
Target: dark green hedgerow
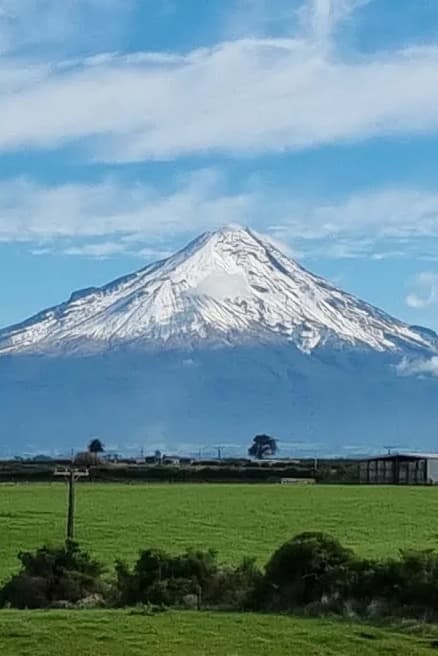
<point>311,573</point>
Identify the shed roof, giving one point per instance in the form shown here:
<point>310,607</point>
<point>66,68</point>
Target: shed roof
<point>402,454</point>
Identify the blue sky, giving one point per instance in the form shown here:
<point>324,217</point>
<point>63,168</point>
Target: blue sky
<point>129,126</point>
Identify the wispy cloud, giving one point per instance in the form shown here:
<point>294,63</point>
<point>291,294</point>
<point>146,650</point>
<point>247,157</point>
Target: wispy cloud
<point>243,96</point>
<point>321,17</point>
<point>424,290</point>
<point>420,367</point>
<point>393,213</point>
<point>114,216</point>
<point>136,214</point>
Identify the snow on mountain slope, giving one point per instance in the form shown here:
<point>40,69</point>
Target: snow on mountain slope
<point>227,287</point>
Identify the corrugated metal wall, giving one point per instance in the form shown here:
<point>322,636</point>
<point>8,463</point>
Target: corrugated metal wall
<point>399,470</point>
<point>378,472</point>
<point>432,470</point>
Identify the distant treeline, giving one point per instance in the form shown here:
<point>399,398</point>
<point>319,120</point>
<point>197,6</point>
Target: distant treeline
<point>327,471</point>
<point>311,574</point>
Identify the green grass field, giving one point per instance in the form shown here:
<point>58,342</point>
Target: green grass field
<point>117,633</point>
<point>118,520</point>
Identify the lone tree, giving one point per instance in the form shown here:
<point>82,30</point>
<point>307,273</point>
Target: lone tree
<point>262,445</point>
<point>95,447</point>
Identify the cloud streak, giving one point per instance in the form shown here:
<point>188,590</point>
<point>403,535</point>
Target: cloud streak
<point>114,217</point>
<point>390,213</point>
<point>423,367</point>
<point>323,16</point>
<point>246,96</point>
<point>424,292</point>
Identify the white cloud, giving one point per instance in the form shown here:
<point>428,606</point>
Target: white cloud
<point>243,96</point>
<point>424,290</point>
<point>419,367</point>
<point>221,285</point>
<point>105,249</point>
<point>99,250</point>
<point>124,216</point>
<point>114,217</point>
<point>323,16</point>
<point>394,213</point>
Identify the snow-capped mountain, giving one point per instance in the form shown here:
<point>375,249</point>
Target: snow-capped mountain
<point>226,287</point>
<point>227,338</point>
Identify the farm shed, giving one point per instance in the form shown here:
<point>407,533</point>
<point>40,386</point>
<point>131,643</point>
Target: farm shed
<point>400,469</point>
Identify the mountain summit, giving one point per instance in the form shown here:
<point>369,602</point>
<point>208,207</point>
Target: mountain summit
<point>226,339</point>
<point>227,287</point>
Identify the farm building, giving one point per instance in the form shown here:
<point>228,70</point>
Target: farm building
<point>400,469</point>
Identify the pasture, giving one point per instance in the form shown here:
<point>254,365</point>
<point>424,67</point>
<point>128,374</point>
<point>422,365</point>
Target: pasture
<point>120,633</point>
<point>117,520</point>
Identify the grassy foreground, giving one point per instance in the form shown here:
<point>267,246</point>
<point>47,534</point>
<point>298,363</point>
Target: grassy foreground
<point>117,633</point>
<point>118,520</point>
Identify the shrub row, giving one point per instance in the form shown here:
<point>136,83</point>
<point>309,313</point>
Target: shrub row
<point>312,573</point>
<point>193,474</point>
<point>156,473</point>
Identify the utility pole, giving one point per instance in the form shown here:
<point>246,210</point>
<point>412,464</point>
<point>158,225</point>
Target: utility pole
<point>219,450</point>
<point>71,475</point>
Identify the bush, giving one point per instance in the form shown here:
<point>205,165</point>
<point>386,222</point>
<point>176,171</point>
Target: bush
<point>410,582</point>
<point>50,575</point>
<point>306,569</point>
<point>314,571</point>
<point>158,578</point>
<point>234,588</point>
